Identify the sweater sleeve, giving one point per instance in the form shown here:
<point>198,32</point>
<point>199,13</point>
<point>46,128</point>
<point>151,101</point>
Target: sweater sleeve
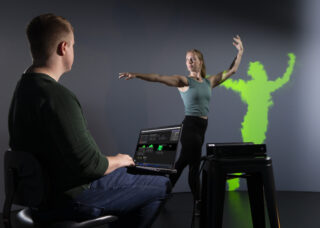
<point>68,129</point>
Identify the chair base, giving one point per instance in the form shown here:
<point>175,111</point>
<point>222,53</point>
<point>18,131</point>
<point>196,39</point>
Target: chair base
<point>23,219</point>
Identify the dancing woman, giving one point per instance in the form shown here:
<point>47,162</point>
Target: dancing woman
<point>195,91</point>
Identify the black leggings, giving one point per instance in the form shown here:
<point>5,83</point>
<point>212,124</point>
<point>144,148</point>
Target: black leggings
<point>192,138</point>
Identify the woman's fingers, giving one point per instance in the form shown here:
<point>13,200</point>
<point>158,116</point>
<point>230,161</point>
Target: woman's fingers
<point>237,42</point>
<point>126,75</point>
<point>121,75</point>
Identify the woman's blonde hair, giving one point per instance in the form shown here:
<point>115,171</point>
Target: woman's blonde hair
<point>200,56</point>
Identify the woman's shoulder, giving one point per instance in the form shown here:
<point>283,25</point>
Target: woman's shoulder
<point>206,80</point>
<point>185,88</point>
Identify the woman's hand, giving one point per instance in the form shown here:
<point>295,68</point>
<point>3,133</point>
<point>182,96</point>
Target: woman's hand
<point>216,80</point>
<point>238,44</point>
<point>127,75</point>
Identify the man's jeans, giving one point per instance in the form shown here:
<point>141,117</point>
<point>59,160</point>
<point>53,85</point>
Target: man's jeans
<point>135,199</point>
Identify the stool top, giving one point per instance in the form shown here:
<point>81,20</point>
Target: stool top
<point>242,160</point>
<point>235,165</point>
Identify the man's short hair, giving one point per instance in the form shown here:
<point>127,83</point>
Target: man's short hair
<point>45,32</point>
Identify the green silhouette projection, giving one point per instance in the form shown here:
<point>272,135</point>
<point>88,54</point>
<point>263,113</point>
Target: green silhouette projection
<point>256,93</point>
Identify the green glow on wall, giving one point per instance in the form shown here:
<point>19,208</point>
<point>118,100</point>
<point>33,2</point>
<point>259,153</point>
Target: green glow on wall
<point>256,93</point>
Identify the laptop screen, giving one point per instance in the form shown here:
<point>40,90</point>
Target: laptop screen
<point>157,147</point>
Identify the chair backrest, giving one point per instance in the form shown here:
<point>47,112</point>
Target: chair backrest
<point>26,185</point>
<point>24,180</point>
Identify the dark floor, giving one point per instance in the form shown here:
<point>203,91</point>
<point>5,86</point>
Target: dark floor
<point>296,209</point>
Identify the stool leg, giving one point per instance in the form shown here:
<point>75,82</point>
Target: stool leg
<point>213,199</point>
<point>204,199</point>
<point>270,195</point>
<point>255,191</point>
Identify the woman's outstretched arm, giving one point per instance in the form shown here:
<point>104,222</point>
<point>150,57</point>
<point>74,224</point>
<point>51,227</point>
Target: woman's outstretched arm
<point>217,79</point>
<point>174,80</point>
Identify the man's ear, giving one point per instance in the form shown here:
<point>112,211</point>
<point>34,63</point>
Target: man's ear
<point>61,49</point>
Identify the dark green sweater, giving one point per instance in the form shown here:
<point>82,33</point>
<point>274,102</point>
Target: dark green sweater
<point>46,119</point>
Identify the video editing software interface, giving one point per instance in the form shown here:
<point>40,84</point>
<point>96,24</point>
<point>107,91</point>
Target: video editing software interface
<point>157,147</point>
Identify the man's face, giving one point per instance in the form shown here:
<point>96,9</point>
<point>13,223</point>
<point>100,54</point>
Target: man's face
<point>69,57</point>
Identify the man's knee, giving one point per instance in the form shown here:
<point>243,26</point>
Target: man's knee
<point>168,185</point>
<point>165,185</point>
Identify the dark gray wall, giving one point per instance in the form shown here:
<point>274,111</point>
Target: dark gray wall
<point>153,36</point>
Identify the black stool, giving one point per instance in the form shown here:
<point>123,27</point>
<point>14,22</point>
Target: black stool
<point>260,182</point>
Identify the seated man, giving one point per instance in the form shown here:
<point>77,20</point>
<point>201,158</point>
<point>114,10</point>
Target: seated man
<point>46,119</point>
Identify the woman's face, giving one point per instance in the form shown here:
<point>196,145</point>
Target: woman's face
<point>193,62</point>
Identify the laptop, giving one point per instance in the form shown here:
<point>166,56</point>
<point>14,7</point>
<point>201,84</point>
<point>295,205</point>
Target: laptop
<point>156,150</point>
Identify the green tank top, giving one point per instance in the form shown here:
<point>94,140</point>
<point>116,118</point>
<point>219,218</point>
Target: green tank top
<point>197,98</point>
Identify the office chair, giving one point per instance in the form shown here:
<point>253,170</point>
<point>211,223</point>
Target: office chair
<point>25,186</point>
